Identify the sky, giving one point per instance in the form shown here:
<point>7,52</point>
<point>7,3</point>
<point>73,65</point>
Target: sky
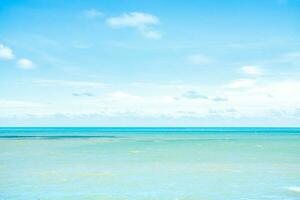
<point>150,63</point>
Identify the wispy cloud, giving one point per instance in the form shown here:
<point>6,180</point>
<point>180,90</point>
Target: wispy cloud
<point>251,70</point>
<point>19,104</point>
<point>199,59</point>
<point>92,13</point>
<point>249,102</point>
<point>241,83</point>
<point>291,57</point>
<point>218,99</point>
<point>25,63</point>
<point>123,96</point>
<point>150,33</point>
<point>193,95</point>
<point>134,19</point>
<point>293,54</point>
<point>6,53</point>
<point>137,20</point>
<point>83,94</point>
<point>70,83</point>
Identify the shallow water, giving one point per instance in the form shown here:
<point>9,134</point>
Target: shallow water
<point>149,163</point>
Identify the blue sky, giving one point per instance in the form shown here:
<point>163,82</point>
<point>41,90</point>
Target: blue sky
<point>150,63</point>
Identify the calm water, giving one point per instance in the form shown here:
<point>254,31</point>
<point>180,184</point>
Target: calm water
<point>149,163</point>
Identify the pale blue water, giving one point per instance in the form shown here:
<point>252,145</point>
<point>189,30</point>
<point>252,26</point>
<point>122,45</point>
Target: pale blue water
<point>149,163</point>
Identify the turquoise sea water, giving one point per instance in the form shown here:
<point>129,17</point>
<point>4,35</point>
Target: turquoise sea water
<point>149,163</point>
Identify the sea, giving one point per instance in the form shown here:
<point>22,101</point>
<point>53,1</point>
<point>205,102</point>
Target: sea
<point>149,163</point>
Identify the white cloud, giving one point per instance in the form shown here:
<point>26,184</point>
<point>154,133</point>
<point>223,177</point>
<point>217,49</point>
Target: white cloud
<point>256,101</point>
<point>19,104</point>
<point>137,20</point>
<point>251,70</point>
<point>199,59</point>
<point>134,19</point>
<point>123,96</point>
<point>70,83</point>
<point>92,13</point>
<point>169,99</point>
<point>6,53</point>
<point>25,64</point>
<point>241,83</point>
<point>193,95</point>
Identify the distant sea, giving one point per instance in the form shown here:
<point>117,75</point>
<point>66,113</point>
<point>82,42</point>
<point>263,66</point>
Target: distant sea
<point>149,163</point>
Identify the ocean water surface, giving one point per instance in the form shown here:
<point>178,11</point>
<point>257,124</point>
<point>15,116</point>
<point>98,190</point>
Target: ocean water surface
<point>149,163</point>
